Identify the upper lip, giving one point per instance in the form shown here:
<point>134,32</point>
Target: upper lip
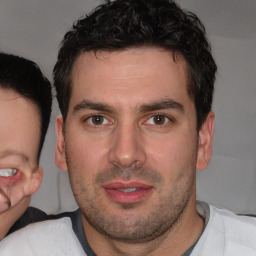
<point>126,185</point>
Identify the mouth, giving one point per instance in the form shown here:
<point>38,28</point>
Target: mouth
<point>127,193</point>
<point>128,190</point>
<point>8,172</point>
<point>10,176</point>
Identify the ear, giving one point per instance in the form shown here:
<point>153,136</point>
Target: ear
<point>205,142</point>
<point>34,181</point>
<point>60,156</point>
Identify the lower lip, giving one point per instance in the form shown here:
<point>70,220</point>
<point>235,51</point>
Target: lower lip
<point>11,179</point>
<point>128,197</point>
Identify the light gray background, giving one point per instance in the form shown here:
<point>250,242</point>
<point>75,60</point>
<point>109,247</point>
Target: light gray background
<point>34,28</point>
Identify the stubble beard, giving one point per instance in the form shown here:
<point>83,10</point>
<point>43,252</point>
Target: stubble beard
<point>134,228</point>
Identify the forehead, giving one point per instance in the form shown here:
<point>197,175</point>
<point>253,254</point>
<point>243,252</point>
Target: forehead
<point>16,107</point>
<point>134,75</point>
<point>19,124</point>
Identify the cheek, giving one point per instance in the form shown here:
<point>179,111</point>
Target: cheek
<point>172,153</point>
<point>85,154</point>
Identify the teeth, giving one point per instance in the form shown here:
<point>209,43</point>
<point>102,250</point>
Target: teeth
<point>127,190</point>
<point>8,172</point>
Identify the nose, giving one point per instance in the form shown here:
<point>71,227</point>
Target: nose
<point>127,148</point>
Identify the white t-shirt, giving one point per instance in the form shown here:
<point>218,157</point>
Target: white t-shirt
<point>225,234</point>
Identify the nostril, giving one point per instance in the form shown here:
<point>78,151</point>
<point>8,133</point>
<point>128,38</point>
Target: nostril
<point>129,164</point>
<point>136,164</point>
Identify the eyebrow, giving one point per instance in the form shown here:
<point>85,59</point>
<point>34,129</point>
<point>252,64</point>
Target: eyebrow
<point>159,105</point>
<point>163,104</point>
<point>85,104</point>
<point>15,153</point>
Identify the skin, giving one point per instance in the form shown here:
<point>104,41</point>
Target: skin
<point>19,137</point>
<point>9,217</point>
<point>144,135</point>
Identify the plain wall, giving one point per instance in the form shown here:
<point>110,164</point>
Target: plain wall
<point>34,29</point>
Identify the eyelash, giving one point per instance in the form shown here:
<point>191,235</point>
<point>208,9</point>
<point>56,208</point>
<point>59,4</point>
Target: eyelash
<point>104,120</point>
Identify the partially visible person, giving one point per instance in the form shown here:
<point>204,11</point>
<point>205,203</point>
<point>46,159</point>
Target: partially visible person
<point>25,109</point>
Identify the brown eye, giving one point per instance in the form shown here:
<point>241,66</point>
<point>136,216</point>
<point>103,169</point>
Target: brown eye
<point>97,120</point>
<point>159,119</point>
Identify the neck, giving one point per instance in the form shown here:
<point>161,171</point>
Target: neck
<point>182,235</point>
<point>9,217</point>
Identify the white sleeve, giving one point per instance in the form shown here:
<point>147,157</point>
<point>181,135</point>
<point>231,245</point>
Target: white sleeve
<point>51,237</point>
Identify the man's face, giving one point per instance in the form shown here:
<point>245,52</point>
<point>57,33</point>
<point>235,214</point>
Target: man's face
<point>20,175</point>
<point>130,142</point>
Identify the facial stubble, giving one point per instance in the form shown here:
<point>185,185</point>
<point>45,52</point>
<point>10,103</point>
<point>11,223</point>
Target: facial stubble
<point>135,226</point>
